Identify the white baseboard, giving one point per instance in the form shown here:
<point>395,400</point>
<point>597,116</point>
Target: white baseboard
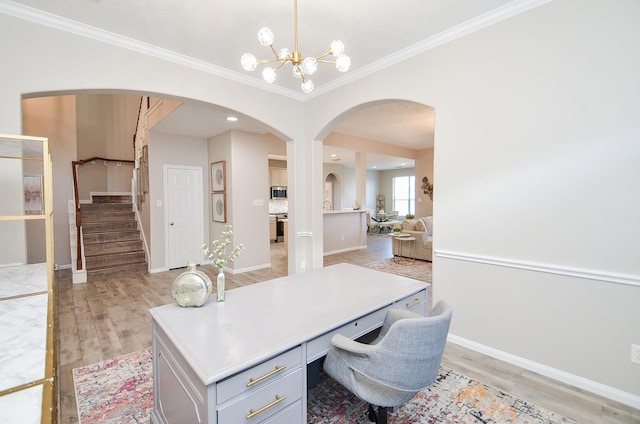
<point>349,249</point>
<point>156,270</point>
<point>247,269</point>
<point>556,374</point>
<point>79,277</point>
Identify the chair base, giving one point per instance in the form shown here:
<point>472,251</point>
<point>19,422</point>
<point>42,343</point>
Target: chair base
<point>379,417</point>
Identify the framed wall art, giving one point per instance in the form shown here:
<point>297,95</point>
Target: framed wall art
<point>33,195</point>
<point>218,207</point>
<point>218,176</point>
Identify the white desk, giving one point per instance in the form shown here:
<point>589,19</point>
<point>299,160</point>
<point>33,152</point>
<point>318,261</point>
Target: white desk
<point>205,359</point>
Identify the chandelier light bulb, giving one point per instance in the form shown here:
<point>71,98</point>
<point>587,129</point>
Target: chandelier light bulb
<point>284,53</point>
<point>343,63</point>
<point>297,72</point>
<point>307,86</point>
<point>337,48</point>
<point>269,74</point>
<point>266,37</point>
<point>249,62</point>
<point>309,66</point>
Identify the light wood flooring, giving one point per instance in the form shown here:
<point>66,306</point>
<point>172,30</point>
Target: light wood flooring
<point>104,319</point>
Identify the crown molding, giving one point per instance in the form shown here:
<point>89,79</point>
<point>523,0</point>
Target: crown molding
<point>78,28</point>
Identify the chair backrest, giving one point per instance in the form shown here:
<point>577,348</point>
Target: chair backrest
<point>410,352</point>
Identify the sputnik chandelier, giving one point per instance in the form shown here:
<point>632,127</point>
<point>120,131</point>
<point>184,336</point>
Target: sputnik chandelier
<point>302,67</point>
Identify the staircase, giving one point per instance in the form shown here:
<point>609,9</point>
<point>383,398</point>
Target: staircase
<point>112,244</point>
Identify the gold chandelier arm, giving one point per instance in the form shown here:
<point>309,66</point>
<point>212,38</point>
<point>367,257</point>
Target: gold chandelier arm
<point>280,65</point>
<point>325,54</point>
<point>326,61</point>
<point>273,49</point>
<point>260,61</point>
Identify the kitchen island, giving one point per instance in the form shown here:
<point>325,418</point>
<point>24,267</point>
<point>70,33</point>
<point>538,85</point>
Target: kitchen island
<point>344,230</point>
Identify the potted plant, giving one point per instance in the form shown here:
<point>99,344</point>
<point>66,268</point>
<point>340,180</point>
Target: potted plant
<point>410,216</point>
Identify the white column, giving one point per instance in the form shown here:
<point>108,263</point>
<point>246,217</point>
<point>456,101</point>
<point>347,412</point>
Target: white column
<point>305,191</point>
<point>361,179</point>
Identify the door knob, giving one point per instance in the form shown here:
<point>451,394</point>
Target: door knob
<point>171,223</point>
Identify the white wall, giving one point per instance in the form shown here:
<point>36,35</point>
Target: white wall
<point>55,118</point>
<point>536,206</point>
<point>249,190</point>
<point>168,149</point>
<point>11,203</point>
<point>105,127</point>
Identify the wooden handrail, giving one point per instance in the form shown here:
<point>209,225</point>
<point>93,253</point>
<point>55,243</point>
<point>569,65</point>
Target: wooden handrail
<point>74,166</point>
<point>135,134</point>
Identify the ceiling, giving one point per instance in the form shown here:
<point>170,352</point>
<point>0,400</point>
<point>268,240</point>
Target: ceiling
<point>215,33</point>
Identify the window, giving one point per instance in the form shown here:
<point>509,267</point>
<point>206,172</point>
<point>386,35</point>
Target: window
<point>404,194</point>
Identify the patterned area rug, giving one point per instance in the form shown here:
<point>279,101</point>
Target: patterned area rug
<point>453,398</point>
<point>115,391</point>
<point>120,391</point>
<point>418,270</point>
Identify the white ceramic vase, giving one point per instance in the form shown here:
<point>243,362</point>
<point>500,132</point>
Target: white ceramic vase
<point>220,286</point>
<point>191,288</point>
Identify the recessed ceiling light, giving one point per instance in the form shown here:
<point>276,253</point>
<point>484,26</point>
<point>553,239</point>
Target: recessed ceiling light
<point>333,155</point>
<point>374,167</point>
<point>232,118</point>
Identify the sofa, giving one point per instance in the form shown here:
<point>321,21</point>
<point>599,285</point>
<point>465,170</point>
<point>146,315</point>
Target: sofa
<point>422,230</point>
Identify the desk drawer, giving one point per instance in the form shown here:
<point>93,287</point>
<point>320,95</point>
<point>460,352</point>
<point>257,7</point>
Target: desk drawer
<point>259,375</point>
<point>263,403</point>
<point>415,303</point>
<point>291,415</point>
<point>320,345</point>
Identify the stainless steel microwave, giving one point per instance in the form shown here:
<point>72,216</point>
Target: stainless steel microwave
<point>278,192</point>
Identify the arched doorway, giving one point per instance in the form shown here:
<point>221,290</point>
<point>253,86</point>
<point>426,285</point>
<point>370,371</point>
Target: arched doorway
<point>331,193</point>
<point>369,145</point>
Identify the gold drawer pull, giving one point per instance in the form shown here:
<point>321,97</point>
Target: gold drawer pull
<point>253,413</point>
<point>267,375</point>
<point>415,302</point>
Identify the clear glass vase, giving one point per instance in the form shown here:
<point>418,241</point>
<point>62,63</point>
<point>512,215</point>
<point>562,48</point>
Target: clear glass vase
<point>220,286</point>
<point>192,288</point>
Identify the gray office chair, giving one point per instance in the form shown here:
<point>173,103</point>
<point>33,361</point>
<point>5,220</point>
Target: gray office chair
<point>403,360</point>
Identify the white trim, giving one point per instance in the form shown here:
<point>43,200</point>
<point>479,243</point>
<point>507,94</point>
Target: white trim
<point>348,249</point>
<point>142,234</point>
<point>589,274</point>
<point>156,270</point>
<point>556,374</point>
<point>54,21</point>
<point>247,269</point>
<point>78,277</point>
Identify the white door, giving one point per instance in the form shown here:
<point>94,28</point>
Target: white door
<point>184,214</point>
